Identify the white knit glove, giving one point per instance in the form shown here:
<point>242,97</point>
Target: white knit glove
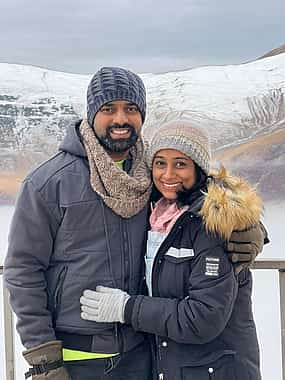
<point>103,305</point>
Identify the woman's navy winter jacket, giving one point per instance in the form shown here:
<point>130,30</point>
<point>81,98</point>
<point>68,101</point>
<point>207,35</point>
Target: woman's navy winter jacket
<point>200,311</point>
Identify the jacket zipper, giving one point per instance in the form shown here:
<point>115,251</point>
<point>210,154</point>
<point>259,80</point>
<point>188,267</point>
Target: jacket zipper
<point>125,254</point>
<point>119,338</point>
<point>155,272</point>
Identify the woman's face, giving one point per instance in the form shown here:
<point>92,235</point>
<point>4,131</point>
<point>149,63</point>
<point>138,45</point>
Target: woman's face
<point>172,171</point>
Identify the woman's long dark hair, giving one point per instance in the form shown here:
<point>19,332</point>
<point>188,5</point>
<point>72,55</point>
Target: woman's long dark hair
<point>186,196</point>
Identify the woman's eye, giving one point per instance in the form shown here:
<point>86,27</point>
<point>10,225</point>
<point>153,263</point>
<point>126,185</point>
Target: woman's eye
<point>180,164</point>
<point>159,163</point>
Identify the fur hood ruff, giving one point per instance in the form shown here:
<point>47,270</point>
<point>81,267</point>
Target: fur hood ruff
<point>230,204</point>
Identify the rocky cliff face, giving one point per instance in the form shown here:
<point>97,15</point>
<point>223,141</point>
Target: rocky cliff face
<point>35,127</point>
<point>262,161</point>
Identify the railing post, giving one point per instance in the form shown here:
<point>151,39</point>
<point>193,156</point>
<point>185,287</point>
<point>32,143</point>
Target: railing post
<point>9,337</point>
<point>282,316</point>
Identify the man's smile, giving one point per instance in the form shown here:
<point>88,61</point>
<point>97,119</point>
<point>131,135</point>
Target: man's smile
<point>120,132</point>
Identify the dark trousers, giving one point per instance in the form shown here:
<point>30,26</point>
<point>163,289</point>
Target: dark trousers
<point>132,365</point>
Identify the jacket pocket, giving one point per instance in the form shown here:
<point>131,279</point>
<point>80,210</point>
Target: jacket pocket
<point>225,368</point>
<point>58,291</point>
<point>69,289</point>
<point>174,276</point>
<point>180,253</point>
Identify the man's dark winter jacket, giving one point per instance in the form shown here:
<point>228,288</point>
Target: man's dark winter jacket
<point>64,239</point>
<point>201,310</point>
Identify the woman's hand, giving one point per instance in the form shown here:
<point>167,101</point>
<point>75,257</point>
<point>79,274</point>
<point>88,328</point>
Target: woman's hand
<point>103,304</point>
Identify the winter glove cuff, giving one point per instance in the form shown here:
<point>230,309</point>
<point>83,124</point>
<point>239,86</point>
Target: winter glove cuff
<point>46,361</point>
<point>128,313</point>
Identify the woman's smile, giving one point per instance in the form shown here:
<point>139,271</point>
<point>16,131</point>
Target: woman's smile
<point>172,171</point>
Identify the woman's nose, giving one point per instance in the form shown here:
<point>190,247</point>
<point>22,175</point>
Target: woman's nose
<point>169,172</point>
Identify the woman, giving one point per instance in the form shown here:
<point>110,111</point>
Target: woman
<point>199,308</point>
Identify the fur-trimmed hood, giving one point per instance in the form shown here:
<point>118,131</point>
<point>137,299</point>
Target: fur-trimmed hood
<point>229,204</point>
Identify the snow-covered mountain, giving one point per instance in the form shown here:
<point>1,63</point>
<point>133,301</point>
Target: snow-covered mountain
<point>276,51</point>
<point>236,103</point>
<point>34,99</point>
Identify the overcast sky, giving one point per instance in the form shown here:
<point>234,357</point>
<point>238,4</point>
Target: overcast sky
<point>79,36</point>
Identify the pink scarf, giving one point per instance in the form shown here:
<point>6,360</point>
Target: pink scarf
<point>164,215</point>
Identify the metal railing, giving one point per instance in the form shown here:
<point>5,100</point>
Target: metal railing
<point>272,264</point>
<point>8,336</point>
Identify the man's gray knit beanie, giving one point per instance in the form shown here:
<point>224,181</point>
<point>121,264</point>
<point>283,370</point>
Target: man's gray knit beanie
<point>114,83</point>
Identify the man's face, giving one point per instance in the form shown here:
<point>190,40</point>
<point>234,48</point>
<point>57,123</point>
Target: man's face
<point>117,125</point>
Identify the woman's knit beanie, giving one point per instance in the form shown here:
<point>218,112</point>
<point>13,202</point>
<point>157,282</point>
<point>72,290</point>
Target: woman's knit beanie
<point>182,135</point>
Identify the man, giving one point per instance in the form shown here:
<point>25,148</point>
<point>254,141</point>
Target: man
<point>80,221</point>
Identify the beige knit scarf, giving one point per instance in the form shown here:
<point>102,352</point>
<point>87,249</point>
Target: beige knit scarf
<point>125,193</point>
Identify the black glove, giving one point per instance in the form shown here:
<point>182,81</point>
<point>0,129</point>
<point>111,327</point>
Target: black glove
<point>244,246</point>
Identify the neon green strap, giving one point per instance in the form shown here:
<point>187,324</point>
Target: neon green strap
<point>69,355</point>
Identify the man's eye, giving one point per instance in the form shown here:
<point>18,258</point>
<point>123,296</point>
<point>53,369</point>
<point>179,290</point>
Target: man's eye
<point>132,109</point>
<point>107,109</point>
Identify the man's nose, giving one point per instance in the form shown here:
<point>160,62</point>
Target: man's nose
<point>120,117</point>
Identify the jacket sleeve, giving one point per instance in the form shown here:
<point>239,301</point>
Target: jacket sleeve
<point>204,313</point>
<point>30,246</point>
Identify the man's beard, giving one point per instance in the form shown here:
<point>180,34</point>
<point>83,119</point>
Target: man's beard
<point>118,145</point>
